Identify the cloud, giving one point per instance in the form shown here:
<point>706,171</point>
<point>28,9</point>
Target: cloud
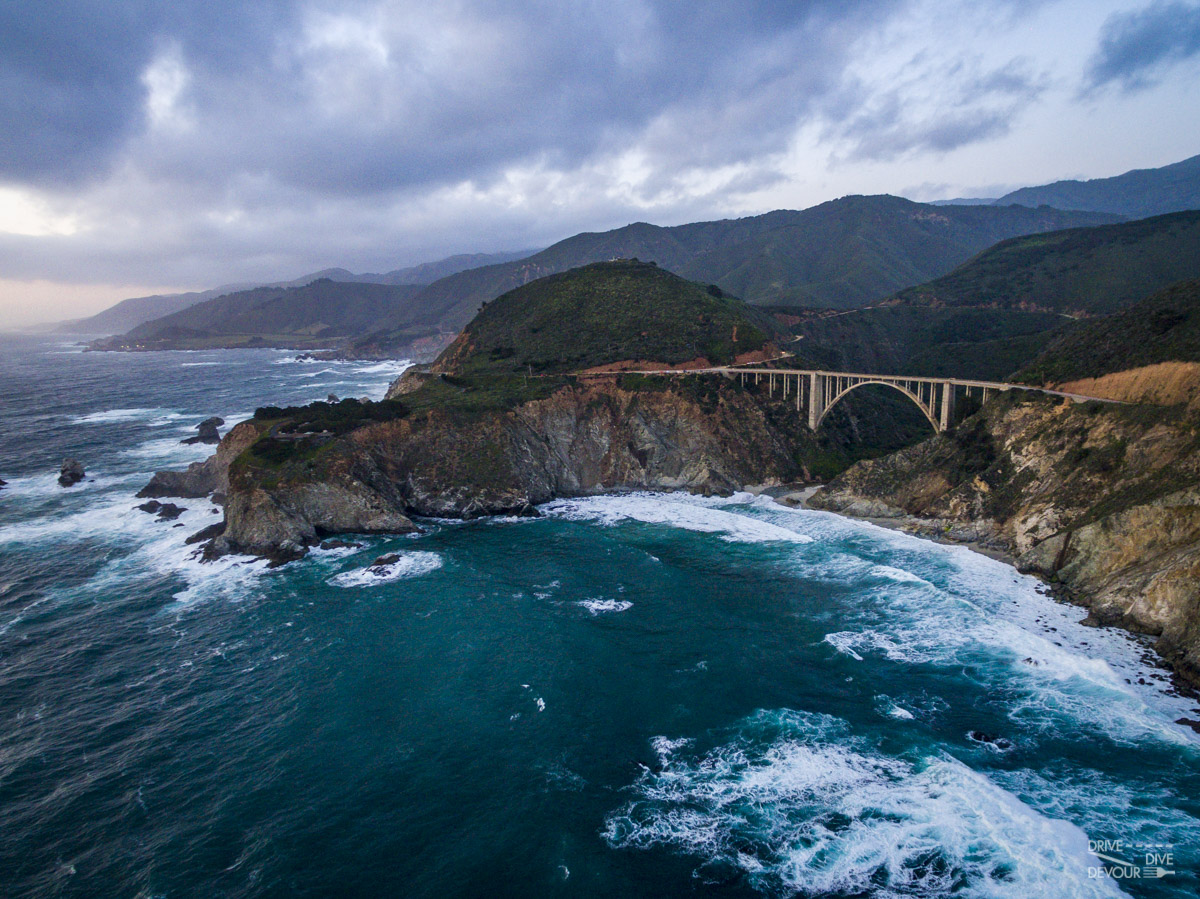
<point>204,141</point>
<point>1137,47</point>
<point>368,96</point>
<point>71,76</point>
<point>934,106</point>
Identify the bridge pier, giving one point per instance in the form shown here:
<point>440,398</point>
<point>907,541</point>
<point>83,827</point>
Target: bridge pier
<point>947,416</point>
<point>816,395</point>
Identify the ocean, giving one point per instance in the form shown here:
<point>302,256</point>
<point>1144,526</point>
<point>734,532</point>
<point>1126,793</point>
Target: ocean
<point>630,695</point>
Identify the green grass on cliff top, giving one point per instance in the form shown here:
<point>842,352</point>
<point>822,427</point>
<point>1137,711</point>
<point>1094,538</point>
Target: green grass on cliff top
<point>603,313</point>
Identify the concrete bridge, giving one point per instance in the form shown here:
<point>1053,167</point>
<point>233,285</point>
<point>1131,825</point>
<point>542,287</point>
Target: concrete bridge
<point>816,392</point>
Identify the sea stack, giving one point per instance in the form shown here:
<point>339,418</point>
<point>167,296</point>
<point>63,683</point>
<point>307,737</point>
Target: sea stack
<point>71,474</point>
<point>208,432</point>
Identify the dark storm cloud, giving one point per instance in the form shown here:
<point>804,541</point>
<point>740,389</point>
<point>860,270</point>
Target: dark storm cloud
<point>459,90</point>
<point>205,141</point>
<point>70,72</point>
<point>1135,47</point>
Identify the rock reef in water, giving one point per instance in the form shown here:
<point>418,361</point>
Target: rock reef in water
<point>1101,500</point>
<point>71,473</point>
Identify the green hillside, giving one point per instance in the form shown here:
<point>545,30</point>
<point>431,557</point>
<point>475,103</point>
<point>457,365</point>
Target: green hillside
<point>841,254</point>
<point>1081,271</point>
<point>603,313</point>
<point>321,313</point>
<point>1164,327</point>
<point>988,344</point>
<point>1137,194</point>
<point>850,252</point>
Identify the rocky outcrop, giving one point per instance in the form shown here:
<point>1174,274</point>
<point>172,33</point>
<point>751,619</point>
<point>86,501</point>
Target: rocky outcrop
<point>582,439</point>
<point>71,473</point>
<point>204,478</point>
<point>1101,500</point>
<point>208,432</point>
<point>413,379</point>
<point>282,523</point>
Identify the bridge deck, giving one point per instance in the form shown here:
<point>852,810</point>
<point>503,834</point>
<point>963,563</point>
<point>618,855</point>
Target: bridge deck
<point>796,372</point>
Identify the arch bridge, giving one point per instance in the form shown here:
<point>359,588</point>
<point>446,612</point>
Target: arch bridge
<point>816,392</point>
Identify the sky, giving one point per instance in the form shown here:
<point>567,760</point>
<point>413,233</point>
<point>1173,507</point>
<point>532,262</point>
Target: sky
<point>151,147</point>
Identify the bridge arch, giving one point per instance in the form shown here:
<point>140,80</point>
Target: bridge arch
<point>926,410</point>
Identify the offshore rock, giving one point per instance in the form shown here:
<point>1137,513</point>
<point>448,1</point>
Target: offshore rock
<point>71,474</point>
<point>169,512</point>
<point>1101,500</point>
<point>208,432</point>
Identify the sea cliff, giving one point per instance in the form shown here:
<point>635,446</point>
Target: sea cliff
<point>589,437</point>
<point>1100,499</point>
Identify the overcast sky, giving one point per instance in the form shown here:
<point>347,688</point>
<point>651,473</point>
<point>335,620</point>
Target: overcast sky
<point>149,146</point>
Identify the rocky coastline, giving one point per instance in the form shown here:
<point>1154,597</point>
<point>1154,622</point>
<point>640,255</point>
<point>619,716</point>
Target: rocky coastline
<point>1101,502</point>
<point>592,437</point>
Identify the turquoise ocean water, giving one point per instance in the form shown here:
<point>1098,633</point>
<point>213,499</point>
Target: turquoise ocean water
<point>635,695</point>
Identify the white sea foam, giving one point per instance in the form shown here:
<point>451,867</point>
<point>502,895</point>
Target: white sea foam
<point>949,606</point>
<point>169,450</point>
<point>942,605</point>
<point>886,706</point>
<point>392,368</point>
<point>155,547</point>
<point>796,805</point>
<point>410,564</point>
<point>110,416</point>
<point>897,649</point>
<point>676,511</point>
<point>600,606</point>
<point>111,519</point>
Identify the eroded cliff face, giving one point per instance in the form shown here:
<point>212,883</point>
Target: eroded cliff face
<point>208,477</point>
<point>1101,499</point>
<point>584,439</point>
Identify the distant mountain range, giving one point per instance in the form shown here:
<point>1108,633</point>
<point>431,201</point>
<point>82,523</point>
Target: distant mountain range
<point>841,254</point>
<point>1137,194</point>
<point>848,253</point>
<point>844,253</point>
<point>319,315</point>
<point>128,314</point>
<point>1140,193</point>
<point>994,314</point>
